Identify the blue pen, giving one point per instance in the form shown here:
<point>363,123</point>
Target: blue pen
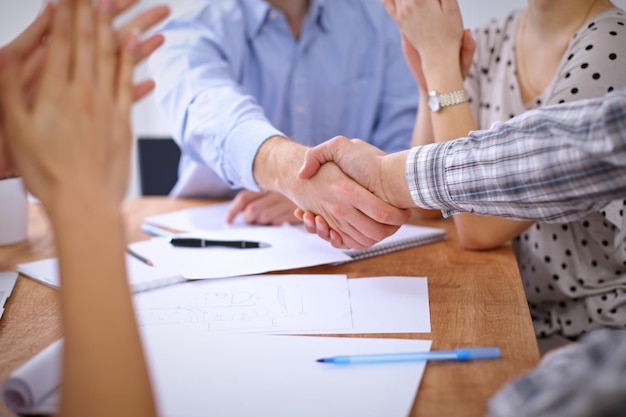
<point>155,231</point>
<point>463,354</point>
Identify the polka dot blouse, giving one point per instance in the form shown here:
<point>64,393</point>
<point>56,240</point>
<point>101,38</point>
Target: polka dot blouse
<point>574,274</point>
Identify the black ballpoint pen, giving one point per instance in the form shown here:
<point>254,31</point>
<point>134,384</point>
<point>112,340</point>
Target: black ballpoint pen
<point>189,242</point>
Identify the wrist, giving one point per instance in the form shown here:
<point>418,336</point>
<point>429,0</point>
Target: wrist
<point>86,227</point>
<point>277,163</point>
<point>443,74</point>
<point>395,188</point>
<point>67,207</point>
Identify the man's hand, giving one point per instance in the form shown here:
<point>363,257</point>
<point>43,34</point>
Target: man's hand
<point>358,217</point>
<point>264,208</point>
<point>381,174</point>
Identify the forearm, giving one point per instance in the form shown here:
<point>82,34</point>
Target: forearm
<point>443,75</point>
<point>101,336</point>
<point>215,120</point>
<point>553,164</point>
<point>423,131</point>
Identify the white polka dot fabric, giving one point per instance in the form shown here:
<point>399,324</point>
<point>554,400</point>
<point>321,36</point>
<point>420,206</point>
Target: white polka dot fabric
<point>574,274</point>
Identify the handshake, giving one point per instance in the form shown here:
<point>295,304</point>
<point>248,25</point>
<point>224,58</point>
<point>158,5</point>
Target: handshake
<point>364,214</point>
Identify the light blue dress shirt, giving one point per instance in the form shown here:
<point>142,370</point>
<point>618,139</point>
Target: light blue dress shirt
<point>231,74</point>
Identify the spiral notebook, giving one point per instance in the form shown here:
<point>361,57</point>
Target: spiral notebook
<point>407,236</point>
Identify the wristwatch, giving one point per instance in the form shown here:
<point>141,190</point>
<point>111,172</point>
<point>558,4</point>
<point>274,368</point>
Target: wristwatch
<point>438,101</point>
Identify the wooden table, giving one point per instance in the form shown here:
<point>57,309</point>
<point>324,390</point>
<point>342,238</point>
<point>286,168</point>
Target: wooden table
<point>476,299</point>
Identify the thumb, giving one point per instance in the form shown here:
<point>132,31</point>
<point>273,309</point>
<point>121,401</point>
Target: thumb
<point>468,47</point>
<point>315,157</point>
<point>313,160</point>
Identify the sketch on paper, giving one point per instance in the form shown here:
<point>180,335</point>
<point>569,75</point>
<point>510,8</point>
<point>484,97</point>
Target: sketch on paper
<point>247,304</point>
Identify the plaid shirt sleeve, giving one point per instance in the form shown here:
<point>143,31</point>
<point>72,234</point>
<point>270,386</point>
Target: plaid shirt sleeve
<point>556,164</point>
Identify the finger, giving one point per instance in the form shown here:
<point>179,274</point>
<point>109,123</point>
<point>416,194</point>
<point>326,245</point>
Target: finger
<point>148,46</point>
<point>381,212</point>
<point>120,6</point>
<point>106,61</point>
<point>125,90</point>
<point>85,41</point>
<point>33,35</point>
<point>336,241</point>
<point>322,228</point>
<point>238,205</point>
<point>276,212</point>
<point>7,167</point>
<point>308,219</point>
<point>313,160</point>
<point>142,89</point>
<point>315,157</point>
<point>144,21</point>
<point>364,231</point>
<point>468,47</point>
<point>352,232</point>
<point>58,57</point>
<point>390,6</point>
<point>12,101</point>
<point>31,66</point>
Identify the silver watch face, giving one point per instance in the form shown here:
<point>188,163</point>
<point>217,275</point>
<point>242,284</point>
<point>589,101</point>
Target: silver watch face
<point>433,103</point>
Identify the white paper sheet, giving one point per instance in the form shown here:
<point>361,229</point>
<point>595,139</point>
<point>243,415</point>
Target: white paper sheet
<point>260,375</point>
<point>32,388</point>
<point>210,217</point>
<point>378,305</point>
<point>262,303</point>
<point>247,375</point>
<point>388,305</point>
<point>290,248</point>
<point>7,282</point>
<point>140,276</point>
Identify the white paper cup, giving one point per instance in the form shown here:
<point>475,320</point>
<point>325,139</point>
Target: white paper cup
<point>13,211</point>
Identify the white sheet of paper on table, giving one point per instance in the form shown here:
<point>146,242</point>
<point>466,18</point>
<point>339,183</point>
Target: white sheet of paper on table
<point>261,303</point>
<point>289,249</point>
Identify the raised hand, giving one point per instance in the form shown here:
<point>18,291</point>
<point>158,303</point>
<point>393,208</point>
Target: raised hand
<point>29,50</point>
<point>433,27</point>
<point>95,87</point>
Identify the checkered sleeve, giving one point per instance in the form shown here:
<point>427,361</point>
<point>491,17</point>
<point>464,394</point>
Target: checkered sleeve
<point>555,164</point>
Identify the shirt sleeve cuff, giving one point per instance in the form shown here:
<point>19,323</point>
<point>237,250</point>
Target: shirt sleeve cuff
<point>425,176</point>
<point>242,146</point>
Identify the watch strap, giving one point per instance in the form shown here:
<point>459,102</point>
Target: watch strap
<point>452,98</point>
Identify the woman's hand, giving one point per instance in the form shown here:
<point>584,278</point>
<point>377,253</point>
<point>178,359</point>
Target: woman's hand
<point>433,27</point>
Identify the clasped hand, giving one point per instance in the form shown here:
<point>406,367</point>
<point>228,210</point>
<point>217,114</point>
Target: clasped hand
<point>381,174</point>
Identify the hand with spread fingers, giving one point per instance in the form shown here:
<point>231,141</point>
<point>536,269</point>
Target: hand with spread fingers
<point>29,49</point>
<point>70,138</point>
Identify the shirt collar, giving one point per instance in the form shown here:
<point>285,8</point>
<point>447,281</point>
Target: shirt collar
<point>257,13</point>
